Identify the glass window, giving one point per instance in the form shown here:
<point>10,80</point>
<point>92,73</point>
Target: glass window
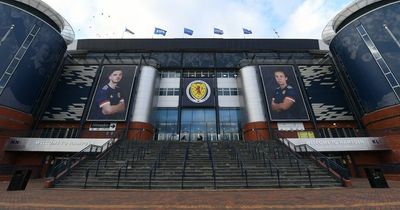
<point>231,74</point>
<point>392,80</point>
<point>170,91</point>
<point>172,115</point>
<point>234,115</point>
<point>20,53</point>
<point>163,92</point>
<point>28,41</point>
<point>198,115</point>
<point>234,91</point>
<point>162,115</point>
<point>397,90</point>
<point>383,65</point>
<point>4,80</point>
<point>186,115</point>
<point>176,91</point>
<point>220,93</point>
<point>210,115</point>
<point>225,91</point>
<point>224,115</point>
<point>164,74</point>
<point>224,74</point>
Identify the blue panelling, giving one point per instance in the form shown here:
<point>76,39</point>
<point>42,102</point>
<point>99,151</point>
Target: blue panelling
<point>69,98</point>
<point>29,56</point>
<point>366,78</point>
<point>326,97</point>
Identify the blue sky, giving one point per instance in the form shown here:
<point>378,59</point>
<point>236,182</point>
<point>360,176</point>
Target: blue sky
<point>108,18</point>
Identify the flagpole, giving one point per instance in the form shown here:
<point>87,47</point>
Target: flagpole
<point>122,36</point>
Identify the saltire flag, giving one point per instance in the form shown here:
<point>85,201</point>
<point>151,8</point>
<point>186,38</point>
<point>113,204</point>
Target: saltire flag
<point>188,31</point>
<point>247,31</point>
<point>129,31</point>
<point>160,31</point>
<point>218,31</point>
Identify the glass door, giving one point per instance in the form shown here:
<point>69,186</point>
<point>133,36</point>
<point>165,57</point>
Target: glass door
<point>198,125</point>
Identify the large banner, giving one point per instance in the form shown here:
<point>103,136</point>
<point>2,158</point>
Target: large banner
<point>283,95</point>
<point>113,93</point>
<point>198,92</point>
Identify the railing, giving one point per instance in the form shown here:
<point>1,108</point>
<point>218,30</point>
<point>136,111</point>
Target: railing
<point>279,153</point>
<point>275,167</point>
<point>326,162</point>
<point>115,153</point>
<point>64,168</point>
<point>97,164</point>
<point>332,167</point>
<point>236,155</point>
<point>185,158</point>
<point>210,156</point>
<point>153,170</point>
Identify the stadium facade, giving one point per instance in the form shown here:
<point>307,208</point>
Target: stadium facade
<point>344,100</point>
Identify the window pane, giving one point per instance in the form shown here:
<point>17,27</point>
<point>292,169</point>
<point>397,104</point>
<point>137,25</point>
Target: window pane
<point>176,91</point>
<point>170,92</point>
<point>172,115</point>
<point>186,115</point>
<point>198,115</point>
<point>234,92</point>
<point>220,93</point>
<point>224,115</point>
<point>233,115</point>
<point>163,92</point>
<point>226,91</point>
<point>210,115</point>
<point>162,115</point>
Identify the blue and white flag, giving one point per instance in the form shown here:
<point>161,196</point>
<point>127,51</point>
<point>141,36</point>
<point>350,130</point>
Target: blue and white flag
<point>188,31</point>
<point>160,31</point>
<point>247,31</point>
<point>218,31</point>
<point>129,31</point>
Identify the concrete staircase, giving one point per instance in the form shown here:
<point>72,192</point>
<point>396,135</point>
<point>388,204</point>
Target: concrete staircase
<point>236,164</point>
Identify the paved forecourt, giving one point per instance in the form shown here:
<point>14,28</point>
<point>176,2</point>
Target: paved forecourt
<point>360,196</point>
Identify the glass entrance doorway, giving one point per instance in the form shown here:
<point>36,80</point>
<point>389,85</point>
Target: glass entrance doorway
<point>198,125</point>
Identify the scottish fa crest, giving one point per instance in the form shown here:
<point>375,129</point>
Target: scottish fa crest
<point>198,91</point>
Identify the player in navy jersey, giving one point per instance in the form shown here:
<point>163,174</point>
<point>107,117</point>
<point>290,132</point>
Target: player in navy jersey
<point>285,103</point>
<point>110,101</point>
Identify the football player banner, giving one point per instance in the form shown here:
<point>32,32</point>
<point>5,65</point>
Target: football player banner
<point>284,98</point>
<point>113,93</point>
<point>197,92</point>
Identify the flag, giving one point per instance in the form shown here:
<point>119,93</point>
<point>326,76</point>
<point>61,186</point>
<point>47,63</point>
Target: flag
<point>129,31</point>
<point>247,31</point>
<point>218,31</point>
<point>160,31</point>
<point>188,31</point>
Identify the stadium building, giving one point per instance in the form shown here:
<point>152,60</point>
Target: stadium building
<point>339,95</point>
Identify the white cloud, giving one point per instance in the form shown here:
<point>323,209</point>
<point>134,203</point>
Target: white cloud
<point>310,18</point>
<point>108,19</point>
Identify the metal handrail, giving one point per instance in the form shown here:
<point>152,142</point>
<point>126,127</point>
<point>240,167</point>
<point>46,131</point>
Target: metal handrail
<point>105,155</point>
<point>64,168</point>
<point>185,158</point>
<point>210,156</point>
<point>156,163</point>
<point>237,156</point>
<point>329,164</point>
<point>291,156</point>
<point>332,167</point>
